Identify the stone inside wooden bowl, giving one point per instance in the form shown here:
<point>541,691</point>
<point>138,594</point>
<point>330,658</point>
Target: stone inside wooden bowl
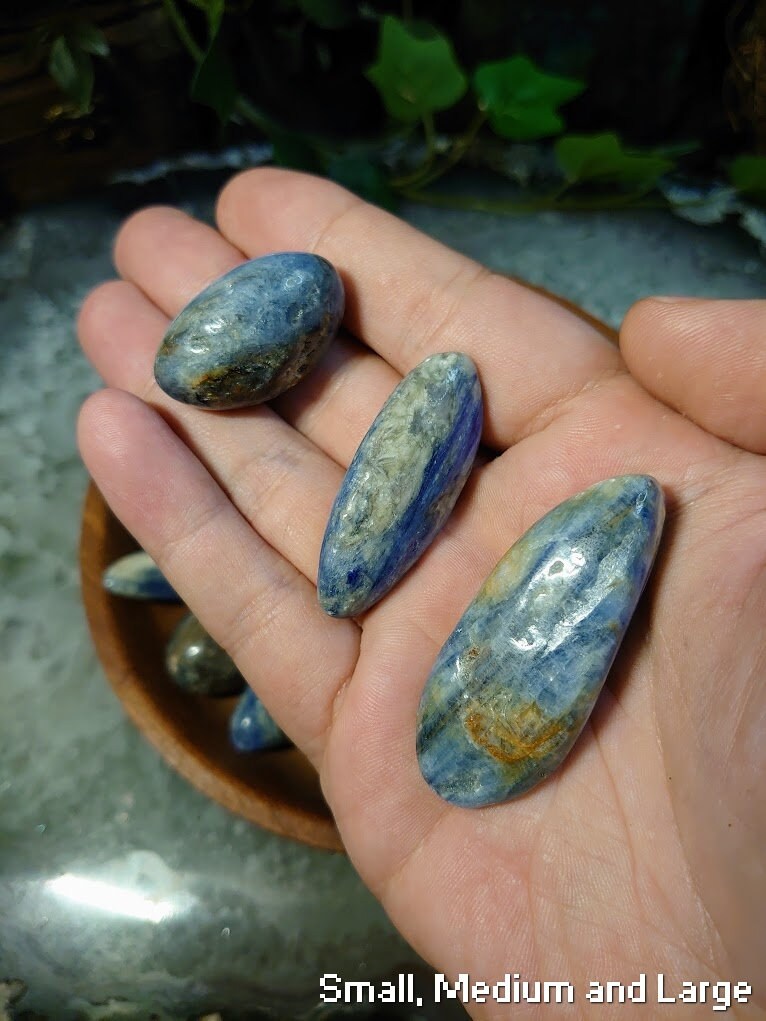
<point>277,789</point>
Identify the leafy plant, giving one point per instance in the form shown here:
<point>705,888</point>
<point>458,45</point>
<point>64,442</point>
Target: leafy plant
<point>213,81</point>
<point>416,75</point>
<point>438,111</point>
<point>362,175</point>
<point>748,175</point>
<point>329,13</point>
<point>602,159</point>
<point>71,44</point>
<point>521,100</point>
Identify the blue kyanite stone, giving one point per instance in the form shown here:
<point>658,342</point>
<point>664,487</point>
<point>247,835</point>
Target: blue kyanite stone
<point>251,728</point>
<point>198,664</point>
<point>253,333</point>
<point>136,576</point>
<point>518,677</point>
<point>402,483</point>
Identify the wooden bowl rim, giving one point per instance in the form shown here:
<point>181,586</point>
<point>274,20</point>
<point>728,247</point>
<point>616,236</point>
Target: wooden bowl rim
<point>287,820</point>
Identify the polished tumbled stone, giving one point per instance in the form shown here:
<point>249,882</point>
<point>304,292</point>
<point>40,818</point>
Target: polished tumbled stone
<point>198,664</point>
<point>518,677</point>
<point>251,728</point>
<point>136,576</point>
<point>402,483</point>
<point>253,333</point>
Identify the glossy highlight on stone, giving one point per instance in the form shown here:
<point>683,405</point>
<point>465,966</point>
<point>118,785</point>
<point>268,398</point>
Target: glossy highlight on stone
<point>136,576</point>
<point>402,484</point>
<point>251,728</point>
<point>198,664</point>
<point>517,679</point>
<point>253,333</point>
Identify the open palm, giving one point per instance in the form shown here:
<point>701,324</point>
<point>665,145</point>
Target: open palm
<point>644,852</point>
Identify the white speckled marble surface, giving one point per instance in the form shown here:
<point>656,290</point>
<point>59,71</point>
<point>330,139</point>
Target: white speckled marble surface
<point>253,920</point>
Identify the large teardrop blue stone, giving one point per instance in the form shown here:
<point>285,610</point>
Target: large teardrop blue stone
<point>518,677</point>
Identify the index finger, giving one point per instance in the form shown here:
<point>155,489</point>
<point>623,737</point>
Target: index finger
<point>409,296</point>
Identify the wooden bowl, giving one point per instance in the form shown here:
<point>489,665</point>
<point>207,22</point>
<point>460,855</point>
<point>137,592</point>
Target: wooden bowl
<point>278,789</point>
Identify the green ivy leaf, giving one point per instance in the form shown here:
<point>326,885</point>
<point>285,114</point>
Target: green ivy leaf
<point>72,69</point>
<point>294,151</point>
<point>363,177</point>
<point>521,100</point>
<point>328,13</point>
<point>601,158</point>
<point>748,175</point>
<point>213,83</point>
<point>415,76</point>
<point>214,10</point>
<point>85,36</point>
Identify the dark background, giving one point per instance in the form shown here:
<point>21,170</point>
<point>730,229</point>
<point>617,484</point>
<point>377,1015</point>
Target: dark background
<point>656,72</point>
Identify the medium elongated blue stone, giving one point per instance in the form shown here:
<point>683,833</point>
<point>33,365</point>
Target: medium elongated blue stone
<point>136,576</point>
<point>253,333</point>
<point>402,483</point>
<point>251,728</point>
<point>518,677</point>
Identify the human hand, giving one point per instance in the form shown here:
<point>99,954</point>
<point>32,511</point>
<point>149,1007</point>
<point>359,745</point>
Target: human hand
<point>644,853</point>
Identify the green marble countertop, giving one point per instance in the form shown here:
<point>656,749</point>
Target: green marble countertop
<point>252,919</point>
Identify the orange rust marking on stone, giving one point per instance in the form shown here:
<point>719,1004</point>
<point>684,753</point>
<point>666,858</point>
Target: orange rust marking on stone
<point>219,372</point>
<point>529,735</point>
<point>238,382</point>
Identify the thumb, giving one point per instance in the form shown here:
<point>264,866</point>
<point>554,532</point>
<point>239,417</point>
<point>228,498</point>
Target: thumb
<point>705,358</point>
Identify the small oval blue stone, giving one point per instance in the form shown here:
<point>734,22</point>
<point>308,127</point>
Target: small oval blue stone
<point>402,483</point>
<point>253,333</point>
<point>136,576</point>
<point>198,664</point>
<point>518,677</point>
<point>251,728</point>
